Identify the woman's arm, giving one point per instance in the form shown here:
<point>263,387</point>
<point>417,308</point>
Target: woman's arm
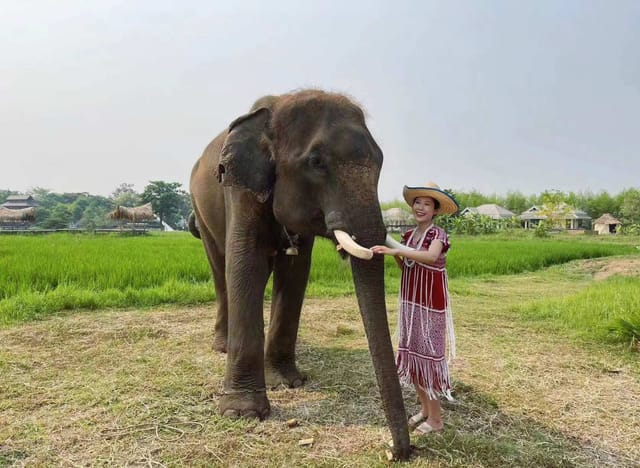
<point>428,257</point>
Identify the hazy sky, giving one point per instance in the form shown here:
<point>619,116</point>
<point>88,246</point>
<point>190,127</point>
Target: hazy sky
<point>490,95</point>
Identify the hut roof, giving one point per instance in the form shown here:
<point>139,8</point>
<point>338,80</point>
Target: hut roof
<point>490,209</point>
<point>24,214</point>
<point>606,219</point>
<point>19,201</point>
<point>134,214</point>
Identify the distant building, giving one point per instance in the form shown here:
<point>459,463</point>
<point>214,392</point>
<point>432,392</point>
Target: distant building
<point>18,212</point>
<point>491,210</point>
<point>397,220</point>
<point>19,202</point>
<point>570,218</point>
<point>606,224</point>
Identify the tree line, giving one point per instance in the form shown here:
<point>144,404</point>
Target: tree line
<point>170,204</point>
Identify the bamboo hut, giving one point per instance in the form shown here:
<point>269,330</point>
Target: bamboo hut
<point>606,224</point>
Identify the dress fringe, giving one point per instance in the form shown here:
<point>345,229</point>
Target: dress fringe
<point>432,376</point>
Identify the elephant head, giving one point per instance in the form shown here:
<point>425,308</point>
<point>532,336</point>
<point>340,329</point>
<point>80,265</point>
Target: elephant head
<point>298,166</point>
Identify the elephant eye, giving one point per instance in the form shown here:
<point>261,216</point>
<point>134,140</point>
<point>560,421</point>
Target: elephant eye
<point>315,161</point>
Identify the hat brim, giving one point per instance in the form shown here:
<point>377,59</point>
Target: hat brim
<point>448,205</point>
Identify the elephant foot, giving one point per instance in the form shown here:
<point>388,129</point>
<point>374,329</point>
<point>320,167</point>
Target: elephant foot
<point>289,376</point>
<point>220,343</point>
<point>252,405</point>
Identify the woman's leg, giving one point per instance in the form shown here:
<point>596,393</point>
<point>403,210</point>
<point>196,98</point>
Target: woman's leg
<point>435,415</point>
<point>430,409</point>
<point>424,401</point>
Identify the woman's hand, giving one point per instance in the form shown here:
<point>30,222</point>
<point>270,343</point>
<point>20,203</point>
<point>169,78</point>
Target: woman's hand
<point>384,250</point>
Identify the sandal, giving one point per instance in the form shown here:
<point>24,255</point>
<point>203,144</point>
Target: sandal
<point>416,419</point>
<point>425,428</point>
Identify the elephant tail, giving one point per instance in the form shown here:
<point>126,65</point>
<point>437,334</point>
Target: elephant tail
<point>193,225</point>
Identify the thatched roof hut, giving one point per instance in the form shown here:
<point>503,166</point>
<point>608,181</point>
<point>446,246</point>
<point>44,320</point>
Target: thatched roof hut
<point>491,209</point>
<point>134,214</point>
<point>606,224</point>
<point>24,214</point>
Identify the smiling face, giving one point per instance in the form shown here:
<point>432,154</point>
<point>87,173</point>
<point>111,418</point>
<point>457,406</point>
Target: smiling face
<point>424,208</point>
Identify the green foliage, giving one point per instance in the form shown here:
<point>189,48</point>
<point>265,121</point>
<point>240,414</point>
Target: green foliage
<point>167,200</point>
<point>554,208</point>
<point>630,206</point>
<point>607,310</point>
<point>476,224</point>
<point>630,230</point>
<point>125,195</point>
<point>64,210</point>
<point>4,194</point>
<point>58,218</point>
<point>627,330</point>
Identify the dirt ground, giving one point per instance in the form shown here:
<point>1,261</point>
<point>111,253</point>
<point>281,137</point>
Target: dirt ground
<point>608,267</point>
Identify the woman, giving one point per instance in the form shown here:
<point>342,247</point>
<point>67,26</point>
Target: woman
<point>424,315</point>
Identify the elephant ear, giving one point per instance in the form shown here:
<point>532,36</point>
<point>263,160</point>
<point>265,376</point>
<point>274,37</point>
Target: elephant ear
<point>245,159</point>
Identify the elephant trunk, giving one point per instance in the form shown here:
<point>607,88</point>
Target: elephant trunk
<point>368,277</point>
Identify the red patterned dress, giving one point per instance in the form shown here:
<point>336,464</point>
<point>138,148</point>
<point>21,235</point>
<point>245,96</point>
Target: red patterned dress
<point>424,318</point>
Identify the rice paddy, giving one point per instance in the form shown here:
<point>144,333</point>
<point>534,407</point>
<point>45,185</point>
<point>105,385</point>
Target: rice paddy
<point>42,275</point>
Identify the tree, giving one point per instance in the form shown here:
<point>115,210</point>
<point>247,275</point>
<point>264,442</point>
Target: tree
<point>125,195</point>
<point>58,218</point>
<point>516,202</point>
<point>4,194</point>
<point>95,214</point>
<point>166,199</point>
<point>470,199</point>
<point>555,209</point>
<point>630,206</point>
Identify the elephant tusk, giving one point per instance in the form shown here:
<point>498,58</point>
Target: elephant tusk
<point>352,246</point>
<point>394,244</point>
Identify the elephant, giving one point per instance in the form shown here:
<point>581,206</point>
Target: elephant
<point>296,166</point>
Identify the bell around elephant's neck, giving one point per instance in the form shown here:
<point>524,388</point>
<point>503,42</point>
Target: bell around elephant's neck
<point>292,240</point>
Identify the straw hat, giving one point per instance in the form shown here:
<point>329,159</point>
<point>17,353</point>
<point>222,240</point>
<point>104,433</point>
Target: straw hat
<point>448,205</point>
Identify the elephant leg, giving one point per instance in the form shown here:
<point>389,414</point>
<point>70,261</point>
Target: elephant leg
<point>244,393</point>
<point>217,264</point>
<point>290,277</point>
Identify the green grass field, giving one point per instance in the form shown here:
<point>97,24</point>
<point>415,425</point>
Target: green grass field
<point>43,275</point>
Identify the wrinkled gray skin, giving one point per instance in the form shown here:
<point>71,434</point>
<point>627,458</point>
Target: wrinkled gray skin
<point>300,165</point>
